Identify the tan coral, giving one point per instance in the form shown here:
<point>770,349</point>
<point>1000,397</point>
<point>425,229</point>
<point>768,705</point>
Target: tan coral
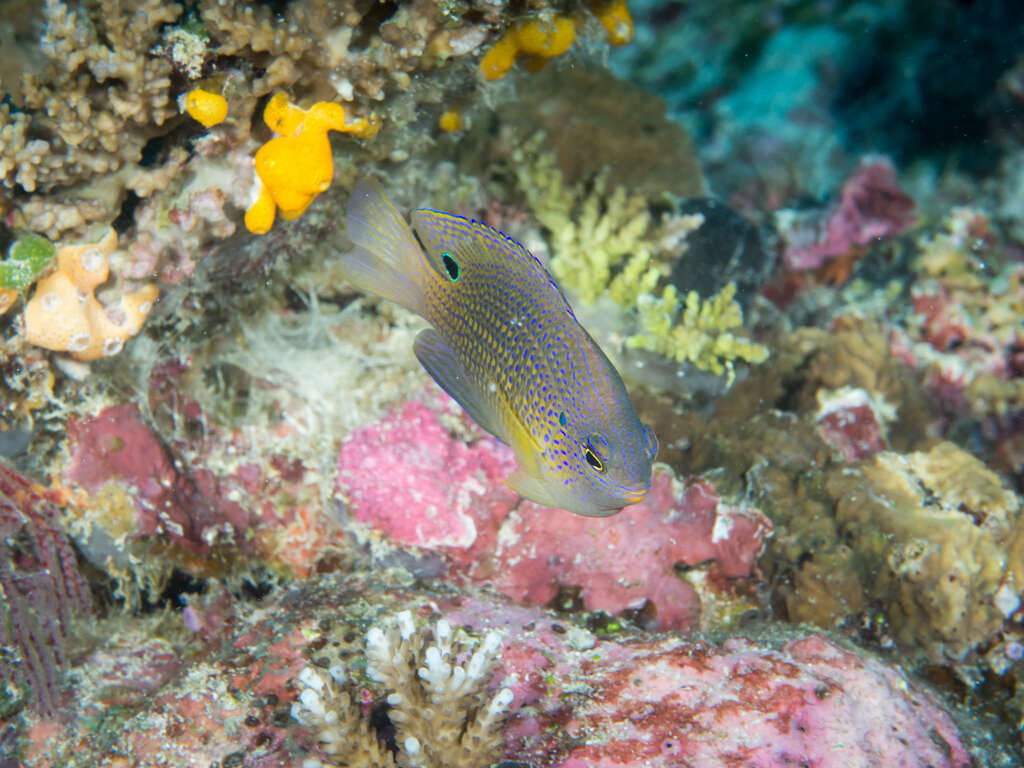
<point>937,532</point>
<point>64,315</point>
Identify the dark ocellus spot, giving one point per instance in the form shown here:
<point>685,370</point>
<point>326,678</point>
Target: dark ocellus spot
<point>452,266</point>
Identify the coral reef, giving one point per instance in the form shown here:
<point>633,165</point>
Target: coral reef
<point>871,206</point>
<point>698,332</point>
<point>43,594</point>
<point>99,83</point>
<point>944,538</point>
<point>257,475</point>
<point>436,702</point>
<point>610,127</point>
<point>607,245</point>
<point>447,498</point>
<point>962,332</point>
<point>618,699</point>
<point>146,505</point>
<point>748,704</point>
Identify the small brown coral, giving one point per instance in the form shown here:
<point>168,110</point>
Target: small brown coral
<point>442,717</point>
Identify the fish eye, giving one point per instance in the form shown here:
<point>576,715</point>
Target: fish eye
<point>592,456</point>
<point>451,266</point>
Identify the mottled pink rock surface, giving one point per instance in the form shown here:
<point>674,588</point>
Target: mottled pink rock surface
<point>177,698</point>
<point>871,206</point>
<point>666,702</point>
<point>409,478</point>
<point>191,508</point>
<point>853,422</point>
<point>266,510</point>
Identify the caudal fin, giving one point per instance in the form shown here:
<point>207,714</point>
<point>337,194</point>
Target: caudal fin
<point>387,260</point>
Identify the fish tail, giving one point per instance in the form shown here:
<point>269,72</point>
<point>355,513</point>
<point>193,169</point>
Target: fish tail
<point>387,260</point>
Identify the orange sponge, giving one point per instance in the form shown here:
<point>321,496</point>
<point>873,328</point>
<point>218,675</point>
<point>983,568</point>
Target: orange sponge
<point>614,17</point>
<point>208,108</point>
<point>65,316</point>
<point>537,39</point>
<point>297,166</point>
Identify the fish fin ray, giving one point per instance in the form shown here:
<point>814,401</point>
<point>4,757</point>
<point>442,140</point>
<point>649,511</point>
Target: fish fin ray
<point>387,260</point>
<point>436,355</point>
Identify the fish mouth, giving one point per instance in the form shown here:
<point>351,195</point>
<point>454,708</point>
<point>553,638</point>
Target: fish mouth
<point>635,497</point>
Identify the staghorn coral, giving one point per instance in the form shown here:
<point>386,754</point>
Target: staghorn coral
<point>437,704</point>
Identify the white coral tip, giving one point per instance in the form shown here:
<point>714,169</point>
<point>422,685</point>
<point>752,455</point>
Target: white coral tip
<point>375,639</point>
<point>309,678</point>
<point>502,700</point>
<point>311,701</point>
<point>458,678</point>
<point>405,624</point>
<point>491,644</point>
<point>412,746</point>
<point>433,658</point>
<point>444,630</point>
<point>337,673</point>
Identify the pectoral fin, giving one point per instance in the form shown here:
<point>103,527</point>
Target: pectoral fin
<point>436,355</point>
<point>531,487</point>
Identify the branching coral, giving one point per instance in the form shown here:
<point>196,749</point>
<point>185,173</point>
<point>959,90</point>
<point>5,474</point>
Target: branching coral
<point>438,706</point>
<point>700,334</point>
<point>608,245</point>
<point>592,234</point>
<point>101,78</point>
<point>106,81</point>
<point>358,50</point>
